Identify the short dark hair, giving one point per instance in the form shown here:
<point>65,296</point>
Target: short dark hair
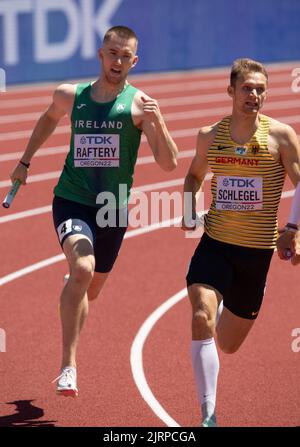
<point>245,65</point>
<point>122,31</point>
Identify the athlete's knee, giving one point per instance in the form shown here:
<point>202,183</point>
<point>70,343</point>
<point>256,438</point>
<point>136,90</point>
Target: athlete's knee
<point>201,318</point>
<point>202,324</point>
<point>82,271</point>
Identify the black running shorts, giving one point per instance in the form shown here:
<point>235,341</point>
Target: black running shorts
<point>238,273</point>
<point>74,218</point>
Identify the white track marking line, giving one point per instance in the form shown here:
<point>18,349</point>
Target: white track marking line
<point>45,262</point>
<point>27,213</point>
<point>55,174</point>
<point>154,187</point>
<point>31,268</point>
<point>34,178</point>
<point>207,112</point>
<point>44,152</point>
<point>136,355</point>
<point>150,89</point>
<point>166,102</point>
<point>137,347</point>
<point>142,188</point>
<point>272,68</point>
<point>136,358</point>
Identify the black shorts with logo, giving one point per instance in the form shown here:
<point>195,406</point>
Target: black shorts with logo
<point>238,273</point>
<point>70,218</point>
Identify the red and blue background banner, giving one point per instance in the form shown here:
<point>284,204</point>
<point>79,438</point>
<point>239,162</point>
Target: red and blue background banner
<point>44,40</point>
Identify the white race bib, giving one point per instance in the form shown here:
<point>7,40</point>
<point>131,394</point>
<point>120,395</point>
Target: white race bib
<point>239,193</point>
<point>96,150</point>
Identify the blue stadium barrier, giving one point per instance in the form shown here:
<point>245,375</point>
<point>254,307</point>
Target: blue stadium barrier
<point>44,40</point>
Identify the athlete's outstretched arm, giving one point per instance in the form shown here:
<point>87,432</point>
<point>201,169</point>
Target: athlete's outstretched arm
<point>62,102</point>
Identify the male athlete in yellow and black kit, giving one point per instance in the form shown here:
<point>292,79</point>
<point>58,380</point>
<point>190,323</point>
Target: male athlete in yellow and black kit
<point>108,117</point>
<point>249,154</point>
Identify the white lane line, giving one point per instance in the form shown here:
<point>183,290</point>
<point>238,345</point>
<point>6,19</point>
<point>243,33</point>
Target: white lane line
<point>285,68</point>
<point>34,178</point>
<point>129,234</point>
<point>27,213</point>
<point>150,89</point>
<point>55,174</point>
<point>212,111</point>
<point>31,268</point>
<point>43,152</point>
<point>172,101</point>
<point>190,114</point>
<point>142,188</point>
<point>26,102</point>
<point>51,175</point>
<point>136,355</point>
<point>44,263</point>
<point>136,358</point>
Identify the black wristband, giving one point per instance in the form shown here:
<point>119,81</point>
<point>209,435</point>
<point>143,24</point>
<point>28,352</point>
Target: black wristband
<point>24,164</point>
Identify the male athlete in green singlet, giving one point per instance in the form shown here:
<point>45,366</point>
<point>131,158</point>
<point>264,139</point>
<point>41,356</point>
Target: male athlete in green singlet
<point>108,117</point>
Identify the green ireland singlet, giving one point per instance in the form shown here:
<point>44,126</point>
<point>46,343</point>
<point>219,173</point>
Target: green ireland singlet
<point>103,149</point>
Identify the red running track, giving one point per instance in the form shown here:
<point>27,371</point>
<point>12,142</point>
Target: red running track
<point>258,386</point>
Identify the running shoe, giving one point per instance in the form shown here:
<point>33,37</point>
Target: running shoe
<point>66,382</point>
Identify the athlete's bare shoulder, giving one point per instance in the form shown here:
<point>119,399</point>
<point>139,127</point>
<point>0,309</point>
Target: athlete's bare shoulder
<point>63,97</point>
<point>137,107</point>
<point>282,133</point>
<point>206,135</point>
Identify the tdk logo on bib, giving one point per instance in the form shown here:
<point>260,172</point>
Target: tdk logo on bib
<point>239,182</point>
<point>94,150</point>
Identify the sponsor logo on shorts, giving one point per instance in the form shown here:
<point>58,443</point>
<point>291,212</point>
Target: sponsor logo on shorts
<point>77,228</point>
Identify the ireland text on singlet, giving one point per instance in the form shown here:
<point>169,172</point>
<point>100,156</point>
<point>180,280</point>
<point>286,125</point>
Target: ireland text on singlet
<point>246,188</point>
<point>103,148</point>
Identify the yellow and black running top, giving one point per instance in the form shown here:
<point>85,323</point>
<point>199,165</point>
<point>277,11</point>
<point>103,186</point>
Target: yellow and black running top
<point>246,188</point>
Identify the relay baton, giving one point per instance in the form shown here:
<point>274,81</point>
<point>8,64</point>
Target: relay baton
<point>11,194</point>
